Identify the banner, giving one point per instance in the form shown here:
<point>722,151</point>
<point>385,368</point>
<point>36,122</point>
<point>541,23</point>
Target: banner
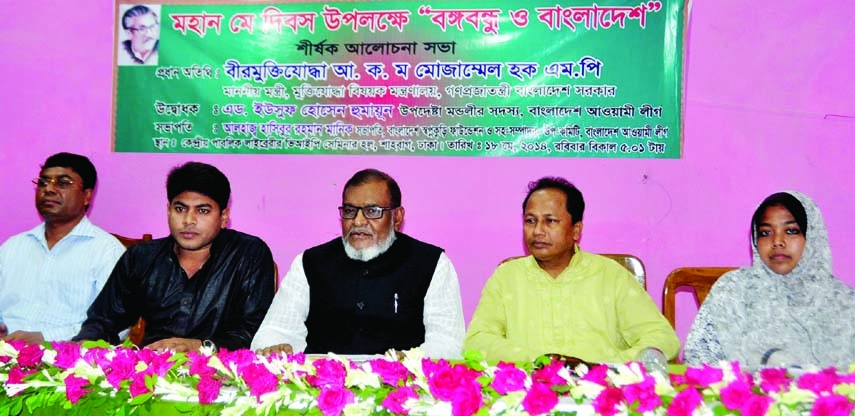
<point>461,78</point>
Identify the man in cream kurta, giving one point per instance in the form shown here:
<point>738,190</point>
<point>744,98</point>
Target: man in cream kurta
<point>561,299</point>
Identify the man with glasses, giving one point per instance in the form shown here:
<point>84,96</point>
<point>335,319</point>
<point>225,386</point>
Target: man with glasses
<point>49,275</point>
<point>143,32</point>
<point>372,290</point>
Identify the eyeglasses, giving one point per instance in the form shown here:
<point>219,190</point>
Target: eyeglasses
<point>61,182</point>
<point>143,29</point>
<point>373,212</point>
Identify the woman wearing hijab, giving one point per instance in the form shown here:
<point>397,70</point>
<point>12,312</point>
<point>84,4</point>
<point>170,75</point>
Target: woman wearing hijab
<point>785,310</point>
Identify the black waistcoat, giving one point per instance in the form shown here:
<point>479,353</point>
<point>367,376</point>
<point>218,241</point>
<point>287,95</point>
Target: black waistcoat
<point>359,307</point>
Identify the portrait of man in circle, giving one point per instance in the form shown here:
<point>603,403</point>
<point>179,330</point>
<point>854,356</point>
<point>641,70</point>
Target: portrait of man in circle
<point>138,35</point>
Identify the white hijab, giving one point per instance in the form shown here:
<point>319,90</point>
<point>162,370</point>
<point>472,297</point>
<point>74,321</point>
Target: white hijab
<point>807,316</point>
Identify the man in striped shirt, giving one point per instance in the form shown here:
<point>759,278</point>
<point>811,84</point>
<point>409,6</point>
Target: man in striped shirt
<point>50,274</point>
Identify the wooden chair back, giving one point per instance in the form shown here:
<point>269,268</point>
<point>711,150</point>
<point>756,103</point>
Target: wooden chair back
<point>631,263</point>
<point>699,279</point>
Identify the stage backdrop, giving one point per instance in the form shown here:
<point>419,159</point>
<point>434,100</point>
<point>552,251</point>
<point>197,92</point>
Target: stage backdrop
<point>504,78</point>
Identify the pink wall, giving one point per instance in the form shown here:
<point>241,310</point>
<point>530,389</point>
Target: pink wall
<point>769,100</point>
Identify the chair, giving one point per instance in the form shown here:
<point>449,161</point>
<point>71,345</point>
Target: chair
<point>628,261</point>
<point>699,279</point>
<point>633,264</point>
<point>138,330</point>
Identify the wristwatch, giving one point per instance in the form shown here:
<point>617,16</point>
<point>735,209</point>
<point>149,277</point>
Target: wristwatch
<point>209,344</point>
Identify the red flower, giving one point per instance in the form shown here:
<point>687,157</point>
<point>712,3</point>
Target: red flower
<point>607,401</point>
<point>549,374</point>
<point>466,399</point>
<point>598,374</point>
<point>259,379</point>
<point>684,403</point>
<point>508,378</point>
<point>756,406</point>
<point>820,382</point>
<point>67,354</point>
<point>17,374</point>
<point>332,400</point>
<point>74,388</point>
<point>30,355</point>
<point>328,373</point>
<point>209,389</point>
<point>540,399</point>
<point>391,372</point>
<point>395,400</point>
<point>644,393</point>
<point>735,395</point>
<point>138,384</point>
<point>774,379</point>
<point>833,405</point>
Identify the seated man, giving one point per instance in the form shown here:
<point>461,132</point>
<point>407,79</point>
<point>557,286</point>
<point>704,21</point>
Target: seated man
<point>562,300</point>
<point>202,284</point>
<point>371,290</point>
<point>50,274</point>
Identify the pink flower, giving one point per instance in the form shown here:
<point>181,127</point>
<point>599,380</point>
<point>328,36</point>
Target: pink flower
<point>237,359</point>
<point>30,355</point>
<point>820,382</point>
<point>444,379</point>
<point>158,362</point>
<point>549,374</point>
<point>259,379</point>
<point>97,356</point>
<point>735,395</point>
<point>199,364</point>
<point>466,399</point>
<point>120,368</point>
<point>540,399</point>
<point>833,405</point>
<point>597,375</point>
<point>684,403</point>
<point>395,400</point>
<point>756,406</point>
<point>328,373</point>
<point>138,386</point>
<point>332,400</point>
<point>74,388</point>
<point>209,389</point>
<point>17,374</point>
<point>607,401</point>
<point>704,376</point>
<point>391,372</point>
<point>508,378</point>
<point>67,354</point>
<point>774,379</point>
<point>644,393</point>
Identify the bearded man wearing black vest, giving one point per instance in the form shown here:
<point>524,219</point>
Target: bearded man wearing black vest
<point>372,290</point>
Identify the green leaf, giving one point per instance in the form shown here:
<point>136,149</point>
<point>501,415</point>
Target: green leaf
<point>142,398</point>
<point>96,344</point>
<point>17,406</point>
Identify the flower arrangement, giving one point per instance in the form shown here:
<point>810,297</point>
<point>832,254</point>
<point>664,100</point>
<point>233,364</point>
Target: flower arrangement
<point>83,378</point>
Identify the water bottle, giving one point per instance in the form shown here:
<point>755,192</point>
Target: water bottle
<point>3,329</point>
<point>654,360</point>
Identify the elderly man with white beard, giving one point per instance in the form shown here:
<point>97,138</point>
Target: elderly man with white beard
<point>373,290</point>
